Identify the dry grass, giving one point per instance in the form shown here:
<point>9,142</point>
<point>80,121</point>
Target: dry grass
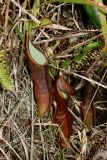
<point>22,134</point>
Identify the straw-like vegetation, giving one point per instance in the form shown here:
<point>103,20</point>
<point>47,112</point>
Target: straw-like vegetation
<point>72,35</point>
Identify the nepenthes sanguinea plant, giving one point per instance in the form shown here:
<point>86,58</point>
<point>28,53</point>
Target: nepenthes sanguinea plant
<point>62,116</point>
<point>38,63</point>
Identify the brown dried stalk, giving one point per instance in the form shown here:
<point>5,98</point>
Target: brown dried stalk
<point>62,116</point>
<point>43,92</point>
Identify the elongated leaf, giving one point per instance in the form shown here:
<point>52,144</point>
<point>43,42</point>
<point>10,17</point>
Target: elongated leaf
<point>103,20</point>
<point>88,48</point>
<point>5,79</point>
<point>35,8</point>
<point>93,15</point>
<point>100,6</point>
<point>32,25</point>
<point>19,34</point>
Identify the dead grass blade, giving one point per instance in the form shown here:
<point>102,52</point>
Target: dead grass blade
<point>58,27</point>
<point>32,126</point>
<point>80,76</point>
<point>6,142</point>
<point>3,152</point>
<point>22,139</point>
<point>25,11</point>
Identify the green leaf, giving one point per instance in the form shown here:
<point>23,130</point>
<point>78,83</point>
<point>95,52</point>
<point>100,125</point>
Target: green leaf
<point>43,22</point>
<point>103,20</point>
<point>93,15</point>
<point>65,64</point>
<point>19,33</point>
<point>88,48</point>
<point>54,71</point>
<point>35,8</point>
<point>99,6</point>
<point>5,78</point>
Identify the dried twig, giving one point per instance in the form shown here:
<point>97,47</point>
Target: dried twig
<point>32,126</point>
<point>26,12</point>
<point>80,76</point>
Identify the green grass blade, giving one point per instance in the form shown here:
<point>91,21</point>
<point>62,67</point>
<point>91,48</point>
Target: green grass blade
<point>93,15</point>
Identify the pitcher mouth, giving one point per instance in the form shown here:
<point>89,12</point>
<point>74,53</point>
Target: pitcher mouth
<point>62,93</point>
<point>33,53</point>
<point>65,87</point>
